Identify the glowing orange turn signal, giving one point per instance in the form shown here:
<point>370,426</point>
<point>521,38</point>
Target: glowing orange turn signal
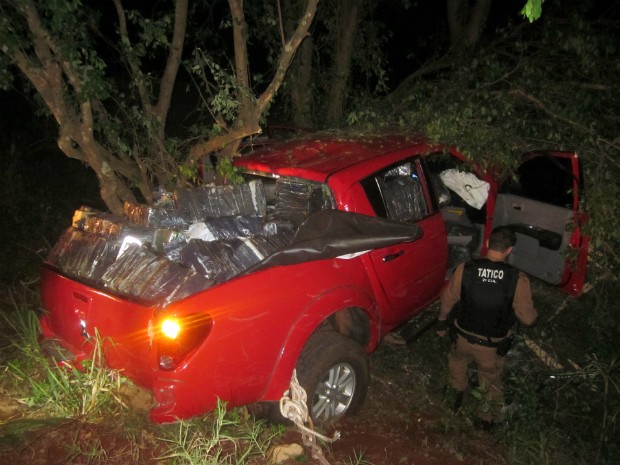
<point>179,335</point>
<point>170,328</point>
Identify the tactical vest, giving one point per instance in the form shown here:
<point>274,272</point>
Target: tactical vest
<point>487,292</point>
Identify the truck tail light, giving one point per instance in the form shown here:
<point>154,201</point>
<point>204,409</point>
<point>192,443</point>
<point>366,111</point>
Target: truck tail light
<point>178,336</point>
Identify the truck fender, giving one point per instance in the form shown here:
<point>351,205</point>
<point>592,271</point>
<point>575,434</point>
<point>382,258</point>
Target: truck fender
<point>315,314</point>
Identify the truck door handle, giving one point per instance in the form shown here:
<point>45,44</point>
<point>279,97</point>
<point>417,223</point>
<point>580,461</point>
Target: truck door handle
<point>392,256</point>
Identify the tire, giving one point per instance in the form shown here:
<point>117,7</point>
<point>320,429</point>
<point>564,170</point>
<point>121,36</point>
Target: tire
<point>333,370</point>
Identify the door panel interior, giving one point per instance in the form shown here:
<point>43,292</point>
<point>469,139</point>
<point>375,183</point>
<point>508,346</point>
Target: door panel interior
<point>543,234</point>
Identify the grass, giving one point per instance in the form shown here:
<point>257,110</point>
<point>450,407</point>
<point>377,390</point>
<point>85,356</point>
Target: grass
<point>56,390</point>
<point>357,459</point>
<point>223,437</point>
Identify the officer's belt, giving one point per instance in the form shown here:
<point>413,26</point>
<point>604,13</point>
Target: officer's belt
<point>475,340</point>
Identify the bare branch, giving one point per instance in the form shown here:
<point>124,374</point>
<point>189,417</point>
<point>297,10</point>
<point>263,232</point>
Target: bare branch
<point>282,37</point>
<point>288,52</point>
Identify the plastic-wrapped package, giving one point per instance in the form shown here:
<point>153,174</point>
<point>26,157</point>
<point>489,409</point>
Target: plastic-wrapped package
<point>230,227</point>
<point>275,226</point>
<point>213,260</point>
<point>254,249</point>
<point>163,198</point>
<point>226,228</point>
<point>80,215</point>
<point>297,199</point>
<point>404,198</point>
<point>292,199</point>
<point>247,255</point>
<point>142,273</point>
<point>63,245</point>
<point>106,224</point>
<point>141,233</point>
<point>173,251</point>
<point>193,282</point>
<point>156,217</point>
<point>91,256</point>
<point>200,231</point>
<point>270,244</point>
<point>115,227</point>
<point>216,201</point>
<point>84,255</point>
<point>166,239</point>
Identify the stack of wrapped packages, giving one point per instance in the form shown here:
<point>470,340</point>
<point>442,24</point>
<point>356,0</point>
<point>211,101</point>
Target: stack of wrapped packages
<point>184,243</point>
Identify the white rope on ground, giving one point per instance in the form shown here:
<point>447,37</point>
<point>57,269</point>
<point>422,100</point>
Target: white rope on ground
<point>295,409</point>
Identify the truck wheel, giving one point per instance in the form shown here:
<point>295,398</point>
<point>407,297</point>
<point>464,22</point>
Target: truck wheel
<point>333,370</point>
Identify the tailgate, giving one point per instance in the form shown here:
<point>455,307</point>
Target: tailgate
<point>75,313</point>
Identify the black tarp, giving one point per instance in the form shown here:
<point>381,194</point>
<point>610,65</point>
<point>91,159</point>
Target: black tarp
<point>332,233</point>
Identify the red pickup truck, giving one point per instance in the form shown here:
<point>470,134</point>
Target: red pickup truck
<point>329,245</point>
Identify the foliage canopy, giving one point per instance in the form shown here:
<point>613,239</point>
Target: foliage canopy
<point>545,85</point>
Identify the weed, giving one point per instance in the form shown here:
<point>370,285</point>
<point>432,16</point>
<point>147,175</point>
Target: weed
<point>357,459</point>
<point>61,390</point>
<point>221,438</point>
<point>92,450</point>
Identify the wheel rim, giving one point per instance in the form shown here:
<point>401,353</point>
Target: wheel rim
<point>334,393</point>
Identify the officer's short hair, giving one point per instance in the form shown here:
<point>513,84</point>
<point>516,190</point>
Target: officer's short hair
<point>502,238</point>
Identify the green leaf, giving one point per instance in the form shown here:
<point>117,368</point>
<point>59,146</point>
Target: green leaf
<point>532,10</point>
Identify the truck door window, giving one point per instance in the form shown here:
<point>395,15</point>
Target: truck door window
<point>544,178</point>
<point>396,193</point>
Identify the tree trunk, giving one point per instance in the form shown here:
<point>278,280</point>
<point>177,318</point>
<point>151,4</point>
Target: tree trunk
<point>467,22</point>
<point>300,75</point>
<point>302,91</point>
<point>348,15</point>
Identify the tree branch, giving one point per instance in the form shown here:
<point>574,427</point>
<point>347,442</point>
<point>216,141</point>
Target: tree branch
<point>288,52</point>
<point>541,106</point>
<point>133,66</point>
<point>218,142</point>
<point>172,64</point>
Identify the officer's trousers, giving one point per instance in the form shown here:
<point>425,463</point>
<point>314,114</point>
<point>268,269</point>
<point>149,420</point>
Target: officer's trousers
<point>489,366</point>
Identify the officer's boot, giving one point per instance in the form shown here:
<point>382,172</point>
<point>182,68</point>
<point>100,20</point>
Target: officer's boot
<point>458,401</point>
<point>452,398</point>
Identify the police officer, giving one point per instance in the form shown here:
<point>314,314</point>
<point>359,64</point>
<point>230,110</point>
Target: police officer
<point>491,295</point>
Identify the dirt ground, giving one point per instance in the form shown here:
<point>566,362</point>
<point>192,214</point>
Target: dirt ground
<point>402,422</point>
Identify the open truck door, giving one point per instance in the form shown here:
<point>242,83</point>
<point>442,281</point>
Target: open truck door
<point>541,203</point>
